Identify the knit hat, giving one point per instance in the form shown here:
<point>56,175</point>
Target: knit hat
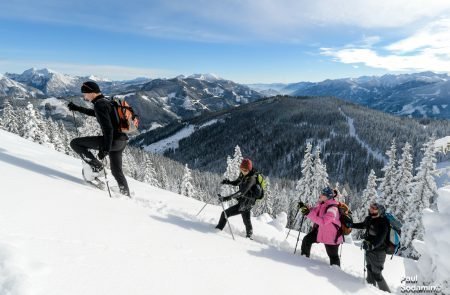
<point>246,164</point>
<point>90,87</point>
<point>381,208</point>
<point>328,192</point>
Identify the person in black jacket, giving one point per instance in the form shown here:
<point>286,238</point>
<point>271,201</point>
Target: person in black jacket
<point>246,196</point>
<point>112,142</point>
<point>376,230</point>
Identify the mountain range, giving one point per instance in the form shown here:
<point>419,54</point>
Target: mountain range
<point>163,101</point>
<point>425,94</point>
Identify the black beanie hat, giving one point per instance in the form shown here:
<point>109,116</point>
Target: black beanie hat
<point>90,87</point>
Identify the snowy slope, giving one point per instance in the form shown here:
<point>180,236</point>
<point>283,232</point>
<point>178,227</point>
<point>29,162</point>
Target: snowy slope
<point>59,236</point>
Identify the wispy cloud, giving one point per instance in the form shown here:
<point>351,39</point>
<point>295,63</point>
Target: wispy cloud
<point>113,72</point>
<point>427,49</point>
<point>227,20</point>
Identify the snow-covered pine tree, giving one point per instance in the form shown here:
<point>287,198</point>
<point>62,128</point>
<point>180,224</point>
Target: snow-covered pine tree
<point>368,197</point>
<point>149,171</point>
<point>232,172</point>
<point>41,135</point>
<point>424,192</point>
<point>186,187</point>
<point>54,135</point>
<point>65,138</point>
<point>266,204</point>
<point>305,184</point>
<point>90,127</point>
<point>9,120</point>
<point>389,181</point>
<point>320,177</point>
<point>163,179</point>
<point>280,200</point>
<point>403,191</point>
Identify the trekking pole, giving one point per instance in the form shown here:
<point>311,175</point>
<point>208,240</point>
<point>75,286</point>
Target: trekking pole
<point>295,218</point>
<point>201,209</point>
<point>226,217</point>
<point>299,231</point>
<point>106,178</point>
<point>364,277</point>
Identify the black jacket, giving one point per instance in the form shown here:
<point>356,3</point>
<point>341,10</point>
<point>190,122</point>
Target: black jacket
<point>107,118</point>
<point>247,193</point>
<point>376,231</point>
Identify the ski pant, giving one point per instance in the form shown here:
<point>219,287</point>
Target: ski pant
<point>82,145</point>
<point>332,250</point>
<point>232,211</point>
<point>375,262</point>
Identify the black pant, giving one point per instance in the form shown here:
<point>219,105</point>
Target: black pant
<point>82,145</point>
<point>332,250</point>
<point>375,262</point>
<point>232,211</point>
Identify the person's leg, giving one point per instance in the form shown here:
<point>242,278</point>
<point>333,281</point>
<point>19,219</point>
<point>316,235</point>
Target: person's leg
<point>115,158</point>
<point>232,211</point>
<point>379,257</point>
<point>246,217</point>
<point>333,253</point>
<point>82,145</point>
<point>307,242</point>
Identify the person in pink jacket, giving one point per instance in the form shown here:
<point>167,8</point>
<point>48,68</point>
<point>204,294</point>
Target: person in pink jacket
<point>326,229</point>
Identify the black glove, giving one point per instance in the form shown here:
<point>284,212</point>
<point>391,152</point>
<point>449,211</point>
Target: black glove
<point>225,181</point>
<point>102,154</point>
<point>304,210</point>
<point>300,205</point>
<point>366,245</point>
<point>349,224</point>
<point>73,107</point>
<point>224,199</point>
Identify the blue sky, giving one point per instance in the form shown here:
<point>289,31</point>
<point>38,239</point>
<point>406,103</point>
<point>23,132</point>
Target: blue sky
<point>246,41</point>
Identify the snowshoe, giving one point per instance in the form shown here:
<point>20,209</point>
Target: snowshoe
<point>92,178</point>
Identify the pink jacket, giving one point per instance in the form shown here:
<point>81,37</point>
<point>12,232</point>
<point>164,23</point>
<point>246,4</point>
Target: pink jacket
<point>328,222</point>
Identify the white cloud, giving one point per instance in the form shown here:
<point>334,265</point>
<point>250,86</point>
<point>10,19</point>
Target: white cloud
<point>426,50</point>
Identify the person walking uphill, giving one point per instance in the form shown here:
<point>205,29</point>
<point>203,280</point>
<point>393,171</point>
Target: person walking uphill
<point>325,216</point>
<point>249,191</point>
<point>376,230</point>
<point>112,142</point>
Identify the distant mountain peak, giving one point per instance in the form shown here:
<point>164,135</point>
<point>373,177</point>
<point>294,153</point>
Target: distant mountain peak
<point>207,77</point>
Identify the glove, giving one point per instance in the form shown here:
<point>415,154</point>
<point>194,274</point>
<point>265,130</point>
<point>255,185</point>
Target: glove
<point>225,181</point>
<point>366,245</point>
<point>349,224</point>
<point>304,210</point>
<point>223,199</point>
<point>73,107</point>
<point>300,205</point>
<point>102,154</point>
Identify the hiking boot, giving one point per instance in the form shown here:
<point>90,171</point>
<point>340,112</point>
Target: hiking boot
<point>249,235</point>
<point>125,191</point>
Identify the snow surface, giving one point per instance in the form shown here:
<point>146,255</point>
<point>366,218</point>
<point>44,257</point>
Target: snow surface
<point>433,267</point>
<point>172,141</point>
<point>442,144</point>
<point>60,236</point>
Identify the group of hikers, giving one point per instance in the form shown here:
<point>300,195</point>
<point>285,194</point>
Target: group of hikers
<point>325,214</point>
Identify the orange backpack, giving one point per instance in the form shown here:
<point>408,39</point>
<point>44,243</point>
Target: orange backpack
<point>127,119</point>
